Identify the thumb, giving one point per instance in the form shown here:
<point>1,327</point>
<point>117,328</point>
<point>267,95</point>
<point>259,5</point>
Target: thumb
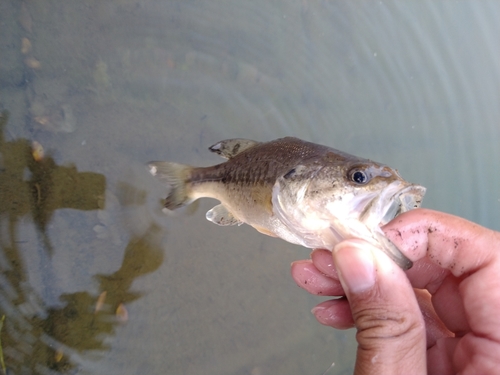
<point>391,330</point>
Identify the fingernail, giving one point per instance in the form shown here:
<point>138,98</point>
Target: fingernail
<point>355,265</point>
<point>317,309</point>
<point>318,314</point>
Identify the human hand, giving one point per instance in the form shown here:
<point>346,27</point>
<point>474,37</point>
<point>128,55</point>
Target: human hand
<point>442,316</point>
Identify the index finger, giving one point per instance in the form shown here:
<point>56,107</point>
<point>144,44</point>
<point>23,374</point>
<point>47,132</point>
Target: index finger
<point>468,251</point>
<point>451,242</point>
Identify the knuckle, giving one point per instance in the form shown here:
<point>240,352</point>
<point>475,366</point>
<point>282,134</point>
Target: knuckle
<point>377,324</point>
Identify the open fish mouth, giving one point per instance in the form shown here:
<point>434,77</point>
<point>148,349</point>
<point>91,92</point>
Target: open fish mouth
<point>396,198</point>
<point>394,201</point>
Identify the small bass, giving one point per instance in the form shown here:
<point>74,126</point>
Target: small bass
<point>302,192</point>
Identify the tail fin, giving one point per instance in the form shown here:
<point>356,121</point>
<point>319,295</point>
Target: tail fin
<point>176,177</point>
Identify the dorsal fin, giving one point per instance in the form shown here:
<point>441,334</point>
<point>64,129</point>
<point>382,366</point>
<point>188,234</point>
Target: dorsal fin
<point>232,147</point>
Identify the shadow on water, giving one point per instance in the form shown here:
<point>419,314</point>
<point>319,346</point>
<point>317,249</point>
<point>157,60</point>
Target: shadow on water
<point>36,337</point>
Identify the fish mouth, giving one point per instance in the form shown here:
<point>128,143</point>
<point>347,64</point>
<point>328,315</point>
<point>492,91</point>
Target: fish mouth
<point>395,200</point>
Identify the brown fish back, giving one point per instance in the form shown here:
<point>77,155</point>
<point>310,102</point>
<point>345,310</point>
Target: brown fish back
<point>262,164</point>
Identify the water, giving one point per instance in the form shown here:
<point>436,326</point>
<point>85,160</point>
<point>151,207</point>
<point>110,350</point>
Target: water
<point>105,87</point>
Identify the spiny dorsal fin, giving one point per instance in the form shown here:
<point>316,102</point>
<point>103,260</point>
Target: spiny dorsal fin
<point>232,147</point>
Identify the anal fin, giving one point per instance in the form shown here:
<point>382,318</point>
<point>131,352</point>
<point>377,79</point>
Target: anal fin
<point>220,215</point>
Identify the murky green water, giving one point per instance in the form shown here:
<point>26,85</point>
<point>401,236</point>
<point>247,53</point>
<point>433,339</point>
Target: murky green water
<point>97,280</point>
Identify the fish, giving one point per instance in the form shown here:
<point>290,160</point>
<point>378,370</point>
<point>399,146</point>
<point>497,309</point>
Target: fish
<point>302,192</point>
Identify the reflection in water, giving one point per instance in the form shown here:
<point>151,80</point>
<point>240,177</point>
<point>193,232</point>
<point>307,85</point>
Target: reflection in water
<point>85,320</point>
<point>35,337</point>
<point>48,188</point>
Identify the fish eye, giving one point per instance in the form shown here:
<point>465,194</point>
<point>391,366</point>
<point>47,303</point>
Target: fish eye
<point>359,176</point>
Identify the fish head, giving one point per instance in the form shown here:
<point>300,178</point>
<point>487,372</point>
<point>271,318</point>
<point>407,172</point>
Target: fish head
<point>366,191</point>
<point>340,196</point>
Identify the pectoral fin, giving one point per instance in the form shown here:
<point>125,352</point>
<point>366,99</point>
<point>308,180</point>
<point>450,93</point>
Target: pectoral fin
<point>231,147</point>
<point>221,216</point>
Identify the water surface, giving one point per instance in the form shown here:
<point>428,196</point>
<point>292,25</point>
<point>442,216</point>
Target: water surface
<point>97,280</point>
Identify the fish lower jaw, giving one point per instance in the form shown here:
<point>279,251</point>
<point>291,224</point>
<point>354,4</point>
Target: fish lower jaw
<point>393,200</point>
